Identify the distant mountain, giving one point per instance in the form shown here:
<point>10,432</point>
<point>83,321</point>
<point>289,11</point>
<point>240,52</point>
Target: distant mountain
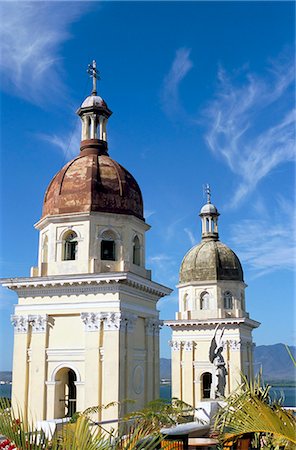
<point>275,362</point>
<point>5,376</point>
<point>274,359</point>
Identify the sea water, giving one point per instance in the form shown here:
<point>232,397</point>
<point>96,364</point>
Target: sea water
<point>288,393</point>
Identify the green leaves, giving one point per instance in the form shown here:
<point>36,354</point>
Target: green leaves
<point>82,434</point>
<point>251,410</point>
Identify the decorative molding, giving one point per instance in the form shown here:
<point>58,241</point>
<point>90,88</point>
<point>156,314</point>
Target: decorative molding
<point>38,323</point>
<point>153,326</point>
<point>203,365</point>
<point>65,365</point>
<point>92,321</point>
<point>129,320</point>
<point>185,324</point>
<point>176,345</point>
<point>237,344</point>
<point>188,345</point>
<point>34,286</point>
<point>20,323</point>
<point>111,321</point>
<point>139,354</point>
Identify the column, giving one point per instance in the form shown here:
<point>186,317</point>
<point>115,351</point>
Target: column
<point>188,395</point>
<point>110,375</point>
<point>127,344</point>
<point>20,374</point>
<point>176,368</point>
<point>92,126</point>
<point>89,393</point>
<point>50,399</point>
<point>38,372</point>
<point>157,325</point>
<point>150,369</point>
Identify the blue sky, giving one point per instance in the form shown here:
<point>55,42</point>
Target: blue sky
<point>201,92</point>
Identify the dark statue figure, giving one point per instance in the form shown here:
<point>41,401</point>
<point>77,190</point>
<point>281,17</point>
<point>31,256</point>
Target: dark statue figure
<point>216,358</point>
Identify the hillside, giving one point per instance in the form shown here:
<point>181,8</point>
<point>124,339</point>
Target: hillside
<point>274,359</point>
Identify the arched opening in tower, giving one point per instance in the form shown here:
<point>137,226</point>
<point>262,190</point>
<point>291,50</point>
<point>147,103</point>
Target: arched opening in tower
<point>206,381</point>
<point>66,395</point>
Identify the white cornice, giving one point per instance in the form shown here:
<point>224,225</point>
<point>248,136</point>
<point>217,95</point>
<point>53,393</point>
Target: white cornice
<point>81,282</point>
<point>211,283</point>
<point>79,216</point>
<point>175,324</point>
<point>76,308</point>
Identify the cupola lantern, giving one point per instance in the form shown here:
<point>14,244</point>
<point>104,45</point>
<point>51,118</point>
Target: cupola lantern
<point>209,218</point>
<point>94,114</point>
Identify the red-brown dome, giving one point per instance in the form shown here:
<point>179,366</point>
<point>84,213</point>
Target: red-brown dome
<point>93,182</point>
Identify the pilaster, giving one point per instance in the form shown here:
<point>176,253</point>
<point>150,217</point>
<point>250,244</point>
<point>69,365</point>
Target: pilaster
<point>176,369</point>
<point>92,342</point>
<point>20,362</point>
<point>37,352</point>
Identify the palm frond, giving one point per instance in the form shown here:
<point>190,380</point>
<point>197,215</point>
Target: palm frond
<point>250,409</point>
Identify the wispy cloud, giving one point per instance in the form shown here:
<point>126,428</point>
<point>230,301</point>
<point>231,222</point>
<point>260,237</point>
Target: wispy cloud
<point>190,235</point>
<point>252,123</point>
<point>170,94</point>
<point>31,35</point>
<point>164,267</point>
<point>269,244</point>
<point>68,144</point>
<point>148,213</point>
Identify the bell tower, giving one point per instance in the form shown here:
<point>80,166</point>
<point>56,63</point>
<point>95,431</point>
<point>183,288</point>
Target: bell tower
<point>86,323</point>
<point>212,333</point>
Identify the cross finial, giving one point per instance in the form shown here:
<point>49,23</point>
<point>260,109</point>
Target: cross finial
<point>94,74</point>
<point>208,192</point>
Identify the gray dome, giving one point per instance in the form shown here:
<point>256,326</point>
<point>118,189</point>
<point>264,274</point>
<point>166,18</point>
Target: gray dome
<point>209,208</point>
<point>93,100</point>
<point>210,260</point>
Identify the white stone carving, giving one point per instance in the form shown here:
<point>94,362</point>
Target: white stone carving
<point>129,320</point>
<point>153,326</point>
<point>188,346</point>
<point>91,321</point>
<point>38,323</point>
<point>176,345</point>
<point>20,323</point>
<point>112,321</point>
<point>233,344</point>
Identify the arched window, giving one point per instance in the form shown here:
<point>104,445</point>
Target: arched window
<point>70,245</point>
<point>228,303</point>
<point>108,246</point>
<point>205,300</point>
<point>66,395</point>
<point>206,381</point>
<point>136,251</point>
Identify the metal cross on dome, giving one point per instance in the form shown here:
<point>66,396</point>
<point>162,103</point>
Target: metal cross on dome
<point>207,190</point>
<point>94,74</point>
